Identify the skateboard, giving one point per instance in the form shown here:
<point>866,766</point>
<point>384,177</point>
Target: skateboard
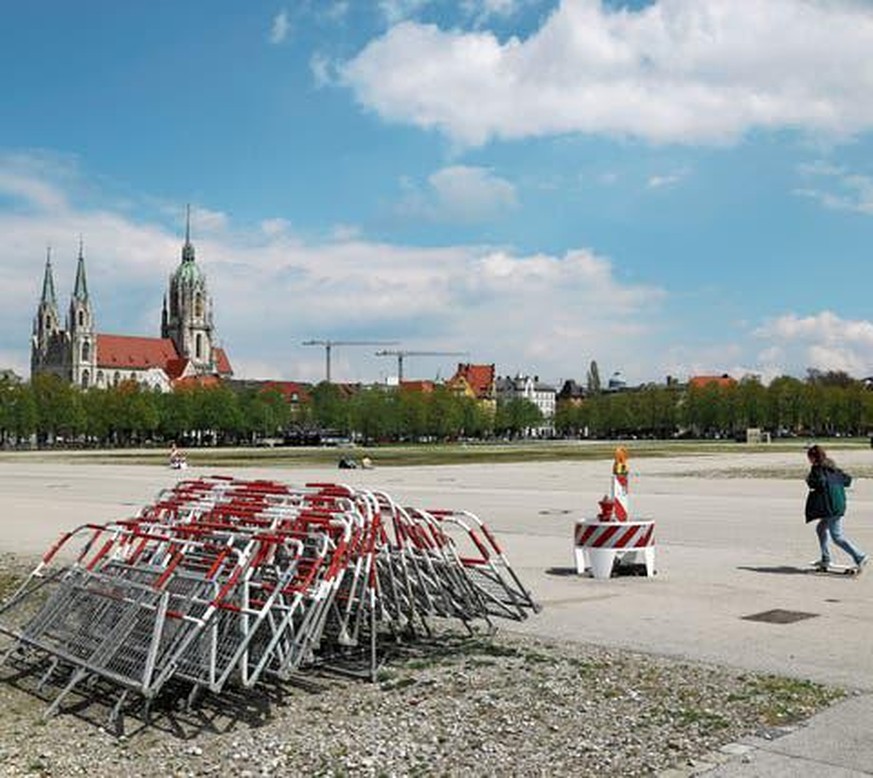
<point>833,569</point>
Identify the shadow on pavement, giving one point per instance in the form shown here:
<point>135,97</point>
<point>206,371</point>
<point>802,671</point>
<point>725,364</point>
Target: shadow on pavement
<point>780,570</point>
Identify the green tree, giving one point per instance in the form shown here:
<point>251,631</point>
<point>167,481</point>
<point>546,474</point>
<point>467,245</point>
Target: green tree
<point>58,407</point>
<point>517,415</point>
<point>329,410</point>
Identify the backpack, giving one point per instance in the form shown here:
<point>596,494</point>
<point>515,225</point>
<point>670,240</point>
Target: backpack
<point>827,496</point>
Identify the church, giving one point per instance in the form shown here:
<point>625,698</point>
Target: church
<point>187,349</point>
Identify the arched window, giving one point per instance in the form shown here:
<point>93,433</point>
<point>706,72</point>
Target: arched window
<point>198,350</point>
<point>116,378</point>
<point>86,351</point>
<point>81,316</point>
<point>85,379</point>
<point>198,305</point>
<point>48,322</point>
<point>100,378</point>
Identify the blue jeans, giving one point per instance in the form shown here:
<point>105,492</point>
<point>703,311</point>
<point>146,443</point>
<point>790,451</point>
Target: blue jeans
<point>834,526</point>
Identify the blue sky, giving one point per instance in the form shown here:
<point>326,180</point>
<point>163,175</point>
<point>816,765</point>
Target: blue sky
<point>668,188</point>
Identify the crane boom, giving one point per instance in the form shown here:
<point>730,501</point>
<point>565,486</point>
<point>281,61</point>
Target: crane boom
<point>400,354</point>
<point>329,344</point>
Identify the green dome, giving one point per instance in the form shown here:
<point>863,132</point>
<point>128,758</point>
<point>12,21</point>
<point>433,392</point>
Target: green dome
<point>188,273</point>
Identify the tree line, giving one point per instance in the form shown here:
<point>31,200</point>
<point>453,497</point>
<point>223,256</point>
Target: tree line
<point>825,404</point>
<point>53,412</point>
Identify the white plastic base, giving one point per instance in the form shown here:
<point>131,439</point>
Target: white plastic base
<point>600,561</point>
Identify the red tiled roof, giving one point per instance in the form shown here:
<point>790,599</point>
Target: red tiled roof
<point>424,387</point>
<point>288,390</point>
<point>176,367</point>
<point>222,363</point>
<point>204,381</point>
<point>699,381</point>
<point>133,353</point>
<point>479,377</point>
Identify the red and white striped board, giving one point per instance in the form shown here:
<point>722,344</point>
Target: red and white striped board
<point>620,496</point>
<point>596,545</point>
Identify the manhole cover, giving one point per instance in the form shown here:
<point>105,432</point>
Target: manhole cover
<point>778,616</point>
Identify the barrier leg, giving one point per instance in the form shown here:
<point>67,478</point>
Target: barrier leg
<point>601,560</point>
<point>579,553</point>
<point>649,557</point>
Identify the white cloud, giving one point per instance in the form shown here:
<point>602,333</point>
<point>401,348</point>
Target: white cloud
<point>323,70</point>
<point>459,193</point>
<point>480,11</point>
<point>273,227</point>
<point>337,10</point>
<point>824,341</point>
<point>397,10</point>
<point>280,28</point>
<point>539,313</point>
<point>666,180</point>
<point>678,71</point>
<point>543,313</point>
<point>836,188</point>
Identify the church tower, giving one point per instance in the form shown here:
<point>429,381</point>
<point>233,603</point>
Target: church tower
<point>80,326</point>
<point>187,313</point>
<point>46,348</point>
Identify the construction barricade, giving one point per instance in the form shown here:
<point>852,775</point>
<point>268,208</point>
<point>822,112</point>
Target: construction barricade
<point>222,581</point>
<point>613,538</point>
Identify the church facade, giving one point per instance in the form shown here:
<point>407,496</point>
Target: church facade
<point>186,350</point>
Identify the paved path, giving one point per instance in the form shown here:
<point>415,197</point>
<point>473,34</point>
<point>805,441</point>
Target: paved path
<point>727,548</point>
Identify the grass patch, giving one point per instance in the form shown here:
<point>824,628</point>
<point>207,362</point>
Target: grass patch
<point>782,700</point>
<point>418,455</point>
<point>9,582</point>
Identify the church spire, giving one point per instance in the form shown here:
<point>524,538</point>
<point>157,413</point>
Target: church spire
<point>80,290</point>
<point>188,248</point>
<point>48,282</point>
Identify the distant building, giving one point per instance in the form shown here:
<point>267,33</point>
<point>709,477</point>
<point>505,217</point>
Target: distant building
<point>700,381</point>
<point>525,387</point>
<point>616,383</point>
<point>187,348</point>
<point>9,377</point>
<point>418,387</point>
<point>572,393</point>
<point>476,381</point>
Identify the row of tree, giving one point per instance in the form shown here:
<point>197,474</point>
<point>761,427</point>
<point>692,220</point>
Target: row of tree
<point>56,412</point>
<point>53,411</point>
<point>823,404</point>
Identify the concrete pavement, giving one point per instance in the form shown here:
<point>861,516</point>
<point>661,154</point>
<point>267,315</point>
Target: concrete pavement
<point>731,543</point>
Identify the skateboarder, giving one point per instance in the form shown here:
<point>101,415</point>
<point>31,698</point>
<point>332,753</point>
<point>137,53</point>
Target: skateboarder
<point>826,502</point>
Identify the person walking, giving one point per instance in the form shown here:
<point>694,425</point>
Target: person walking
<point>826,502</point>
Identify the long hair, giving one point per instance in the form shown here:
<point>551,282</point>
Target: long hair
<point>818,456</point>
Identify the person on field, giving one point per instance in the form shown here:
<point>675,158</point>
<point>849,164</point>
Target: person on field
<point>826,503</point>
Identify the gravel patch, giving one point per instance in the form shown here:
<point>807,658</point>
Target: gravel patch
<point>455,705</point>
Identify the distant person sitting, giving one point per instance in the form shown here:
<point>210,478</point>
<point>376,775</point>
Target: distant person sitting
<point>177,458</point>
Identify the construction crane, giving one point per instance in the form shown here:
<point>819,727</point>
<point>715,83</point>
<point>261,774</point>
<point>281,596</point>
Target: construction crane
<point>401,354</point>
<point>329,344</point>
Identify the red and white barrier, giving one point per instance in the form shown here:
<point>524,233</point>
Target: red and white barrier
<point>598,544</point>
<point>620,497</point>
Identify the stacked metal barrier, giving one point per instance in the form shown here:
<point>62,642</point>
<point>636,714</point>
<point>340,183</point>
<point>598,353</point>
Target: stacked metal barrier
<point>223,580</point>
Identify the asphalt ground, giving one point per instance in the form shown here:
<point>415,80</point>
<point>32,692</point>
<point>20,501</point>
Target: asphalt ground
<point>730,543</point>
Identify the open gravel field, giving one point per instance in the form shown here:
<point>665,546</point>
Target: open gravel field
<point>458,706</point>
<point>630,676</point>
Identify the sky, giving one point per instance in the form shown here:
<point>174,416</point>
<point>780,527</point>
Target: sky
<point>672,187</point>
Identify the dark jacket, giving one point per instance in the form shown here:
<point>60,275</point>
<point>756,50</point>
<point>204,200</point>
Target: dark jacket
<point>827,495</point>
